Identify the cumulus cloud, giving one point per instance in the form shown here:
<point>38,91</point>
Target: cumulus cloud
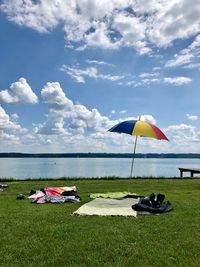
<point>65,117</point>
<point>19,92</point>
<point>92,119</point>
<point>10,130</point>
<point>9,138</point>
<point>110,24</point>
<point>41,16</point>
<point>174,20</point>
<point>100,37</point>
<point>132,29</point>
<point>5,121</point>
<point>68,119</point>
<point>53,94</point>
<point>183,134</point>
<point>73,126</point>
<point>53,126</point>
<point>15,116</point>
<point>177,80</point>
<point>148,118</point>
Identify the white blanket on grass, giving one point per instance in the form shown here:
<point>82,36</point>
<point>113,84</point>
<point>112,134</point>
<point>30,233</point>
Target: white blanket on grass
<point>108,207</point>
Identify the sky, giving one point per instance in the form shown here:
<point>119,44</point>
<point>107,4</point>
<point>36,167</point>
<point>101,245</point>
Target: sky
<point>71,69</point>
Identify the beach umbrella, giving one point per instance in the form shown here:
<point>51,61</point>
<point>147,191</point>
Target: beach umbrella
<point>138,128</point>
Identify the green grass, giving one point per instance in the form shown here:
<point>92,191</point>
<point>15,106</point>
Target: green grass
<point>48,235</point>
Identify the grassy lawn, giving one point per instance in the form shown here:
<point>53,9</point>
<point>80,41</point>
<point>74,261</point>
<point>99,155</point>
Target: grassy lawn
<point>48,235</point>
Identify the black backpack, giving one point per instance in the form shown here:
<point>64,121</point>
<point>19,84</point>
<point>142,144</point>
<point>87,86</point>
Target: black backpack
<point>154,200</point>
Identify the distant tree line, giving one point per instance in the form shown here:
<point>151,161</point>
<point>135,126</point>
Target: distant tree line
<point>98,155</point>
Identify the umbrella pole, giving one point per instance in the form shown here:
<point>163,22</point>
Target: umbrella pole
<point>133,156</point>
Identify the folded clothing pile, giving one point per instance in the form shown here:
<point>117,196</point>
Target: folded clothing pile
<point>2,187</point>
<point>55,195</point>
<point>152,204</point>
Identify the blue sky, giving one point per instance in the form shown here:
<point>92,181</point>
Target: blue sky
<point>70,70</point>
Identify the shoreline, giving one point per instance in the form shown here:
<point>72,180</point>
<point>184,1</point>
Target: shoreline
<point>97,179</point>
<point>100,155</point>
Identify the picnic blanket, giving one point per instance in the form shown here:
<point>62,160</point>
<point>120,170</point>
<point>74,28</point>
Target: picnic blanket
<point>111,194</point>
<point>108,206</point>
<point>2,187</point>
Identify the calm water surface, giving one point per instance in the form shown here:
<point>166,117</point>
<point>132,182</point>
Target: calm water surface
<point>22,168</point>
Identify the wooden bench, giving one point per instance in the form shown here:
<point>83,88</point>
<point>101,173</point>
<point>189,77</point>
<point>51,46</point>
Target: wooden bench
<point>191,170</point>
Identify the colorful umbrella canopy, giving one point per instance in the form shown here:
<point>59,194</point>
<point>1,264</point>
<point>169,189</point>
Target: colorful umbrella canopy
<point>138,128</point>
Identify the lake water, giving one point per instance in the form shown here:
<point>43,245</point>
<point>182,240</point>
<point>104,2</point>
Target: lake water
<point>22,168</point>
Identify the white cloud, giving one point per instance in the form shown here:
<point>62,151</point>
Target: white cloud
<point>192,117</point>
<point>110,24</point>
<point>15,116</point>
<point>79,74</point>
<point>53,94</point>
<point>122,111</point>
<point>65,118</point>
<point>177,80</point>
<point>156,68</point>
<point>91,120</point>
<point>72,126</point>
<point>193,66</point>
<point>53,126</point>
<point>133,83</point>
<point>182,135</point>
<point>10,130</point>
<point>100,37</point>
<point>90,124</point>
<point>19,92</point>
<point>112,113</point>
<point>10,139</point>
<point>148,118</point>
<point>179,60</point>
<point>132,29</point>
<point>178,19</point>
<point>99,62</point>
<point>187,55</point>
<point>5,121</point>
<point>149,81</point>
<point>149,75</point>
<point>144,79</point>
<point>41,16</point>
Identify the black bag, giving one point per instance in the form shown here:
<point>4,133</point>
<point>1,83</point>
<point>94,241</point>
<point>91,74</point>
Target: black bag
<point>21,196</point>
<point>154,200</point>
<point>153,204</point>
